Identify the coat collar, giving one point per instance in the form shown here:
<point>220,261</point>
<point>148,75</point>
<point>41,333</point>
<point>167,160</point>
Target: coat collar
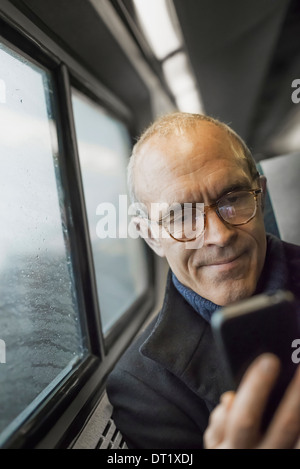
<point>188,349</point>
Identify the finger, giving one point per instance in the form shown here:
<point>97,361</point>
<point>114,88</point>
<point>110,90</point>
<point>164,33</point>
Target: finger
<point>217,421</point>
<point>243,428</point>
<point>227,399</point>
<point>284,430</point>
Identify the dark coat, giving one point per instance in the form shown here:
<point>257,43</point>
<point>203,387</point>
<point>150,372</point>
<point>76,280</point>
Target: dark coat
<point>169,380</point>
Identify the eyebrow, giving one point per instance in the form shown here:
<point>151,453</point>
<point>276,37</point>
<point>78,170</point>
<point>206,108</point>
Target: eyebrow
<point>237,186</point>
<point>240,185</point>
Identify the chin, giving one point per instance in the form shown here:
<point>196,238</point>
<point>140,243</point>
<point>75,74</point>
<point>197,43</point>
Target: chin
<point>232,295</point>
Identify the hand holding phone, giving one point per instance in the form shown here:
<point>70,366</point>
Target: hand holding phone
<point>263,323</point>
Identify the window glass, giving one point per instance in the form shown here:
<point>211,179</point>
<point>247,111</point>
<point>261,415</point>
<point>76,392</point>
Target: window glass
<point>119,259</point>
<point>39,322</point>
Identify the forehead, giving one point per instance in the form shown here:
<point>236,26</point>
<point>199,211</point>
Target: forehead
<point>174,168</point>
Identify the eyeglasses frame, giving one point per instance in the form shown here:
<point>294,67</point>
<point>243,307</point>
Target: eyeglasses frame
<point>254,192</point>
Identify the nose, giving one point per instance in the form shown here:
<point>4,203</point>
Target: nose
<point>217,231</point>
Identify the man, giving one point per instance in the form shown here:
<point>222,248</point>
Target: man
<point>168,382</point>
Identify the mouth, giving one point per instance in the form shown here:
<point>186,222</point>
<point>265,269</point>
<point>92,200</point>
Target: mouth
<point>226,263</point>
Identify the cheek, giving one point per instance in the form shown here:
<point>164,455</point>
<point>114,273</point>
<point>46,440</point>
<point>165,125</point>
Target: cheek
<point>253,237</point>
<point>259,241</point>
<point>177,256</point>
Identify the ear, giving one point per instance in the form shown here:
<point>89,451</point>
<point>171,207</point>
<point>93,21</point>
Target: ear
<point>263,183</point>
<point>149,234</point>
<point>263,186</point>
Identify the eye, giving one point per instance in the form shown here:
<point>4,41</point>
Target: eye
<point>176,217</point>
<point>230,199</point>
<point>228,212</point>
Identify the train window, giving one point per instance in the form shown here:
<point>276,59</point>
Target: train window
<point>39,319</point>
<point>119,259</point>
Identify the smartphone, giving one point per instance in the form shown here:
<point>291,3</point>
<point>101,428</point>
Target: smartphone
<point>246,329</point>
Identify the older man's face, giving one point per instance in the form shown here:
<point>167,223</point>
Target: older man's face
<point>200,166</point>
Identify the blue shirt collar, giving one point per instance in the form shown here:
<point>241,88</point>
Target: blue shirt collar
<point>203,306</point>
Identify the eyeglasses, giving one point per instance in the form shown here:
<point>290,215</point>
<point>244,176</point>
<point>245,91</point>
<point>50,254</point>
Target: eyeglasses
<point>186,222</point>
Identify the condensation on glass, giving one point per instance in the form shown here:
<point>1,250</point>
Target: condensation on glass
<point>119,259</point>
<point>39,319</point>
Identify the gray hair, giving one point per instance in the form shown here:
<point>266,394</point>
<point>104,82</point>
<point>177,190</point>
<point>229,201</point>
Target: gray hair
<point>177,123</point>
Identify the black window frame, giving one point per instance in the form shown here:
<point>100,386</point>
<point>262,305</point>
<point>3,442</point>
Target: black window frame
<point>57,421</point>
